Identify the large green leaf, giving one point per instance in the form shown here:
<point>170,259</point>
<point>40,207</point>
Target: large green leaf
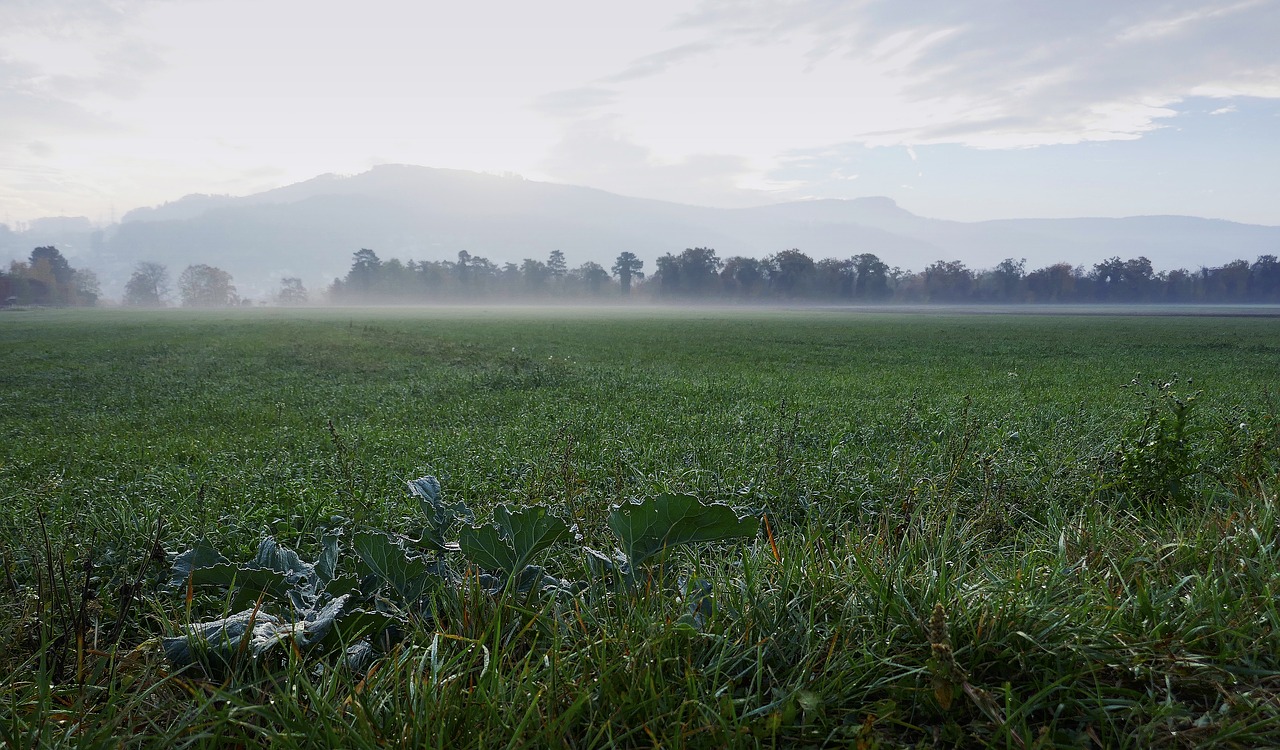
<point>438,516</point>
<point>513,539</point>
<point>650,528</point>
<point>272,556</point>
<point>298,574</point>
<point>203,555</point>
<point>246,583</point>
<point>386,559</point>
<point>326,566</point>
<point>276,571</point>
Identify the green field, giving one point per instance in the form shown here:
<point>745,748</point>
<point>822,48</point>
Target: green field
<point>1007,530</point>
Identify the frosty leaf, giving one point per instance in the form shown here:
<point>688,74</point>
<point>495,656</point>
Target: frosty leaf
<point>271,556</point>
<point>438,516</point>
<point>203,555</point>
<point>220,640</point>
<point>326,566</point>
<point>426,488</point>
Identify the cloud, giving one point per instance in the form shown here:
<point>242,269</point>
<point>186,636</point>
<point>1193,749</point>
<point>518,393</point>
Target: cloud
<point>65,64</point>
<point>575,103</point>
<point>64,58</point>
<point>660,62</point>
<point>1022,74</point>
<point>596,152</point>
<point>1168,26</point>
<point>77,19</point>
<point>32,111</point>
<point>756,86</point>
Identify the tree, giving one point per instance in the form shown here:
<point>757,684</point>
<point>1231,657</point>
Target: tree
<point>699,270</point>
<point>793,271</point>
<point>32,286</point>
<point>1228,283</point>
<point>431,277</point>
<point>667,277</point>
<point>365,271</point>
<point>835,277</point>
<point>292,292</point>
<point>46,278</point>
<point>535,274</point>
<point>1179,286</point>
<point>1006,279</point>
<point>743,277</point>
<point>60,269</point>
<point>14,289</point>
<point>206,286</point>
<point>556,265</point>
<point>50,277</point>
<point>148,286</point>
<point>1056,283</point>
<point>592,276</point>
<point>1137,275</point>
<point>483,273</point>
<point>87,287</point>
<point>1107,277</point>
<point>396,281</point>
<point>871,277</point>
<point>462,269</point>
<point>1264,279</point>
<point>626,268</point>
<point>948,281</point>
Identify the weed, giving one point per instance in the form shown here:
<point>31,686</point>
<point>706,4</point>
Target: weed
<point>1155,457</point>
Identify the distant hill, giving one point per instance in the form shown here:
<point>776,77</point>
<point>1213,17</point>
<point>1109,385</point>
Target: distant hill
<point>310,229</point>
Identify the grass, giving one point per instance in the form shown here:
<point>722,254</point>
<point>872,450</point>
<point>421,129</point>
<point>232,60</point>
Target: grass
<point>1104,567</point>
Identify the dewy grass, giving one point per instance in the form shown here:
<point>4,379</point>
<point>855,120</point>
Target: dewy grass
<point>907,464</point>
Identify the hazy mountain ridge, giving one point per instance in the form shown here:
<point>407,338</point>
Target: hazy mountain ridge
<point>311,228</point>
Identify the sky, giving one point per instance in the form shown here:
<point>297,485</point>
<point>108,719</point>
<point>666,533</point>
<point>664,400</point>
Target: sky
<point>968,111</point>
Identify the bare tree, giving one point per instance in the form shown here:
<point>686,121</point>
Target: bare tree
<point>292,292</point>
<point>148,286</point>
<point>201,285</point>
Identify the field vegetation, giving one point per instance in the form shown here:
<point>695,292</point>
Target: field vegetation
<point>945,529</point>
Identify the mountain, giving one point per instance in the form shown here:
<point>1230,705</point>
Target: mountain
<point>310,229</point>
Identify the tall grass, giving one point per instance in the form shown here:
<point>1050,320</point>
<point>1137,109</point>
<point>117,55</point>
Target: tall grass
<point>982,530</point>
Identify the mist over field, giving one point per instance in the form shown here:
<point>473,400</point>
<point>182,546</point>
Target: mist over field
<point>961,136</point>
<point>433,222</point>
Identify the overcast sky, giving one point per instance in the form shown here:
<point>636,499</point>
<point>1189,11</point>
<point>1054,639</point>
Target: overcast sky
<point>959,110</point>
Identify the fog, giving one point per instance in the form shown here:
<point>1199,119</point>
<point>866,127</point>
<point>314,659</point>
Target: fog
<point>273,141</point>
<point>447,235</point>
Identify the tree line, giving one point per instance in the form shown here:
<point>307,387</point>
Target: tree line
<point>199,285</point>
<point>695,274</point>
<point>791,275</point>
<point>46,278</point>
<point>373,280</point>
